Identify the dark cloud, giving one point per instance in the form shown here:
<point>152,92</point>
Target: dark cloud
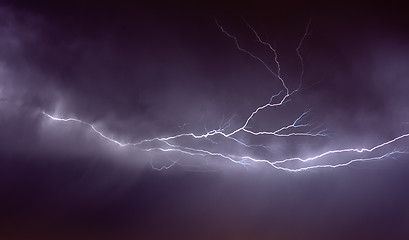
<point>139,71</point>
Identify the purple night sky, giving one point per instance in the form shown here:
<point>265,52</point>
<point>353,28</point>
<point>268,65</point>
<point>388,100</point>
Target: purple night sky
<point>327,159</point>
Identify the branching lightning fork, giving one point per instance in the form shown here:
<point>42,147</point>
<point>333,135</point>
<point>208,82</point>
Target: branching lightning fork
<point>166,144</point>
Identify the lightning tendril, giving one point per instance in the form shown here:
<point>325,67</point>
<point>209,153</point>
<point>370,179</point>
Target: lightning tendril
<point>297,128</point>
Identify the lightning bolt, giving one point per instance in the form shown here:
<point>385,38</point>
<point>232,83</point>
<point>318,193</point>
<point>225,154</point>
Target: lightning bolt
<point>294,129</point>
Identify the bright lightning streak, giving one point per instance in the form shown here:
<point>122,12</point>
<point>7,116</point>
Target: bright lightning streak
<point>169,146</point>
<point>235,159</point>
<point>340,164</point>
<point>88,124</point>
<point>255,57</point>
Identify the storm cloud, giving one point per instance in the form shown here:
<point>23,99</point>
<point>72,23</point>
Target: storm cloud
<point>140,71</point>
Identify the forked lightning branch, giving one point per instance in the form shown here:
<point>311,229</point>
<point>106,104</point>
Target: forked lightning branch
<point>297,128</point>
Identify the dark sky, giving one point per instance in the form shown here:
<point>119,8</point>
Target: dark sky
<point>139,71</point>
